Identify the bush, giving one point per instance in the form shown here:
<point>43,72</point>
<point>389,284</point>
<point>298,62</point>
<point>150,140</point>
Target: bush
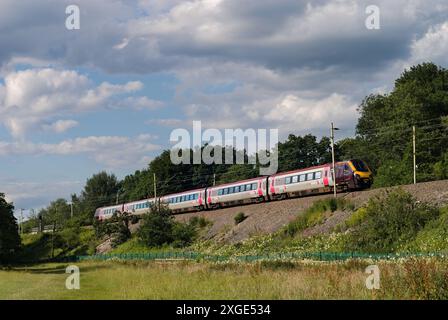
<point>159,228</point>
<point>390,222</point>
<point>240,217</point>
<point>117,227</point>
<point>316,214</point>
<point>200,222</point>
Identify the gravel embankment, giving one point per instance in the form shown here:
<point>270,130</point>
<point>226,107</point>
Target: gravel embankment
<point>269,217</point>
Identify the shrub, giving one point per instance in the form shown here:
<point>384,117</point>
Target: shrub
<point>116,227</point>
<point>159,228</point>
<point>356,218</point>
<point>315,214</point>
<point>200,222</point>
<point>240,217</point>
<point>390,221</point>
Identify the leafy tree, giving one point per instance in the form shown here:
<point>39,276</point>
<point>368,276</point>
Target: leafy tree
<point>9,235</point>
<point>100,190</point>
<point>301,152</point>
<point>159,228</point>
<point>384,129</point>
<point>116,227</point>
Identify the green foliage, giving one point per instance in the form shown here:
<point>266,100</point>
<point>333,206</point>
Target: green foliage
<point>440,168</point>
<point>315,215</point>
<point>356,218</point>
<point>384,129</point>
<point>9,235</point>
<point>199,222</point>
<point>116,227</point>
<point>159,228</point>
<point>432,238</point>
<point>239,217</point>
<point>302,152</point>
<point>390,222</point>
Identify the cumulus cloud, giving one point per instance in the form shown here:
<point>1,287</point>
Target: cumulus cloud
<point>60,126</point>
<point>433,45</point>
<point>33,96</point>
<point>111,151</point>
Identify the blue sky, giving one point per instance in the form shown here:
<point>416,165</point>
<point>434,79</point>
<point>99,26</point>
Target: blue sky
<point>107,96</point>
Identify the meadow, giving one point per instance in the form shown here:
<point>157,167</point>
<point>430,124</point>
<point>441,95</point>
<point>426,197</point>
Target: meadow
<point>406,279</point>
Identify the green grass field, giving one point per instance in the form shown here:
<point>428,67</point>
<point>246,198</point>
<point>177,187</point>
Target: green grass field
<point>193,280</point>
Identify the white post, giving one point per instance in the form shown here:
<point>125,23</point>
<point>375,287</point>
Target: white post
<point>333,161</point>
<point>413,155</point>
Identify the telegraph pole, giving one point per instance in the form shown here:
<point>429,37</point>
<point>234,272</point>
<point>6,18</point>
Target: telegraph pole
<point>155,192</point>
<point>332,157</point>
<point>414,154</point>
<point>71,210</point>
<point>214,179</point>
<point>21,221</point>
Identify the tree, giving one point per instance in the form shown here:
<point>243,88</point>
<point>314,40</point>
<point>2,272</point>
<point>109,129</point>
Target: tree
<point>100,190</point>
<point>9,232</point>
<point>159,228</point>
<point>384,129</point>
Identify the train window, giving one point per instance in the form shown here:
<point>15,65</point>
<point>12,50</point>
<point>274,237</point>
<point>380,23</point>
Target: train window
<point>254,186</point>
<point>288,180</point>
<point>219,192</point>
<point>295,179</point>
<point>310,176</point>
<point>237,189</point>
<point>302,177</point>
<point>225,191</point>
<point>318,175</point>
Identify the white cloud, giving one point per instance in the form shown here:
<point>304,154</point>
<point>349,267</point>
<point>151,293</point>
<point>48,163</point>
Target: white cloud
<point>432,46</point>
<point>111,151</point>
<point>34,96</point>
<point>60,126</point>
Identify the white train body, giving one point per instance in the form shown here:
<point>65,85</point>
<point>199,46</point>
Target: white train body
<point>245,191</point>
<point>185,201</point>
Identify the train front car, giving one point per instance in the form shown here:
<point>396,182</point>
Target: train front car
<point>192,200</point>
<point>240,192</point>
<point>353,175</point>
<point>362,174</point>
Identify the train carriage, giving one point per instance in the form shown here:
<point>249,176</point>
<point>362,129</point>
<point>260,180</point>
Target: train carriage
<point>300,182</point>
<point>185,201</point>
<point>240,192</point>
<point>139,207</point>
<point>107,212</point>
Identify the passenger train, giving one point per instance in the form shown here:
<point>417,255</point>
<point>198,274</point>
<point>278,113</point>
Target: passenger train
<point>350,175</point>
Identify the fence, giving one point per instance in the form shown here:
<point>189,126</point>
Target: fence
<point>317,256</point>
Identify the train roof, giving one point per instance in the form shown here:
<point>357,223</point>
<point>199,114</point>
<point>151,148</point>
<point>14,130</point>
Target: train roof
<point>300,170</point>
<point>183,192</point>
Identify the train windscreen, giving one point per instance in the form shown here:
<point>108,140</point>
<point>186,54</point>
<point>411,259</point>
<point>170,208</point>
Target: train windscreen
<point>360,165</point>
